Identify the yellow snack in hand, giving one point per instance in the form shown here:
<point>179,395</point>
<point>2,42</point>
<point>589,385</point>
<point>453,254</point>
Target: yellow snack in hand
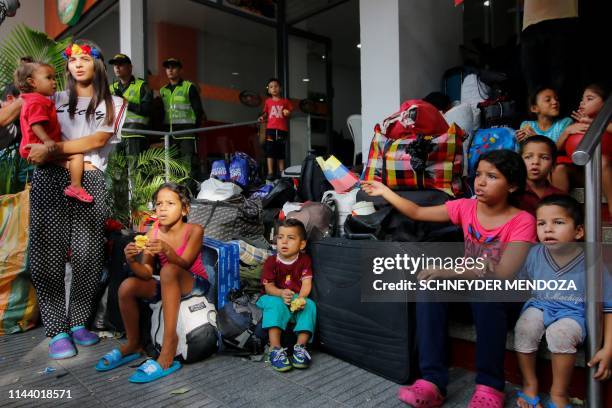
<point>297,304</point>
<point>141,241</point>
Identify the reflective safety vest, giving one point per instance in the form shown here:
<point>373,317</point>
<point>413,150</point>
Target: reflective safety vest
<point>132,95</point>
<point>177,107</point>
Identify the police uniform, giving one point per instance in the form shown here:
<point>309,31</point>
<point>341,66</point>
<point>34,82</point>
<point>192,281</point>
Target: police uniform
<point>139,97</point>
<point>182,110</point>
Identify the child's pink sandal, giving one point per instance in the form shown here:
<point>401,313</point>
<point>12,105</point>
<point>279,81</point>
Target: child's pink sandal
<point>79,193</point>
<point>486,397</point>
<point>421,394</point>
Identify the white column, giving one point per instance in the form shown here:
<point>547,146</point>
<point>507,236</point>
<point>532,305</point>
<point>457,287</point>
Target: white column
<point>380,64</point>
<point>131,33</point>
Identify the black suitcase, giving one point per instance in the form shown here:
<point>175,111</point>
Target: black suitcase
<point>376,336</point>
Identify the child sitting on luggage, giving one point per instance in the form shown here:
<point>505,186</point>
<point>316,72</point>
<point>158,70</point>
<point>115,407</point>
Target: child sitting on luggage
<point>489,222</point>
<point>177,246</point>
<point>592,102</point>
<point>275,114</point>
<point>287,280</point>
<point>539,154</point>
<point>544,103</point>
<point>39,124</point>
<point>559,315</point>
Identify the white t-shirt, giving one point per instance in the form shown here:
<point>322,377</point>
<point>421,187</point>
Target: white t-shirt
<point>79,126</point>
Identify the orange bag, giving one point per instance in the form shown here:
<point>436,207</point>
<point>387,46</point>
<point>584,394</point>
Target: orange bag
<point>18,304</point>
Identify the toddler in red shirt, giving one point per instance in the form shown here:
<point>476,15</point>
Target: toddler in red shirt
<point>287,280</point>
<point>276,111</point>
<point>39,124</point>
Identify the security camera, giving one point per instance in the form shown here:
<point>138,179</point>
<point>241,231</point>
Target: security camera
<point>8,8</point>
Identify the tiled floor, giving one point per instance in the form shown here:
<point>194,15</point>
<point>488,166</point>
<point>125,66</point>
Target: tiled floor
<point>220,381</point>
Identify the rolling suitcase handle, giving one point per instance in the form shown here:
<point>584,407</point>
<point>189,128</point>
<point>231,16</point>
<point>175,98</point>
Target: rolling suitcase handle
<point>360,236</point>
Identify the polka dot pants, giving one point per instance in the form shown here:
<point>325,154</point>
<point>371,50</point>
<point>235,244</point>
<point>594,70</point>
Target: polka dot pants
<point>60,226</point>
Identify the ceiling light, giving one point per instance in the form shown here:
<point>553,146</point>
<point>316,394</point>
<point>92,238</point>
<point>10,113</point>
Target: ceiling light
<point>487,3</point>
<point>305,79</point>
<point>235,73</point>
<point>322,56</point>
<point>359,45</point>
<point>321,100</point>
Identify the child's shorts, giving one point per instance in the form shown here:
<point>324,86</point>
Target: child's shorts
<point>277,314</point>
<point>200,288</point>
<point>274,146</point>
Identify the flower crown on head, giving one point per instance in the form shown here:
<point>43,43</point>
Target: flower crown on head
<point>76,49</point>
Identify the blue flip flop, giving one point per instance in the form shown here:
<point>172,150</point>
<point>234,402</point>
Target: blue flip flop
<point>114,359</point>
<point>150,370</point>
<point>532,401</point>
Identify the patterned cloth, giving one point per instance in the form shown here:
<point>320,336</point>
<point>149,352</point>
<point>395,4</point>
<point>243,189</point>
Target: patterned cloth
<point>251,255</point>
<point>419,162</point>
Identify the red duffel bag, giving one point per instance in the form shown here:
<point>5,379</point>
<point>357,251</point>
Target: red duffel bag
<point>414,117</point>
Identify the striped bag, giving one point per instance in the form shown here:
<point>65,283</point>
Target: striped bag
<point>418,162</point>
<point>18,305</point>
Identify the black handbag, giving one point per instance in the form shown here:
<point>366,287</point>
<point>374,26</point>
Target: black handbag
<point>228,219</point>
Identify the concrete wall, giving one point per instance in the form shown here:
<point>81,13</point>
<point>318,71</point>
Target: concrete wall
<point>31,13</point>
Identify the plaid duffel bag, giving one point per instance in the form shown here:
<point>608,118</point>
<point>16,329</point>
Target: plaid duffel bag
<point>418,162</point>
<point>228,219</point>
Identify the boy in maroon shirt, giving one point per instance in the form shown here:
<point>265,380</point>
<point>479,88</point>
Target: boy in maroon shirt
<point>276,111</point>
<point>539,154</point>
<point>287,280</point>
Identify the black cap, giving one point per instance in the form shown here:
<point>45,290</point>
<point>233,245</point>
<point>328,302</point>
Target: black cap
<point>172,62</point>
<point>120,59</point>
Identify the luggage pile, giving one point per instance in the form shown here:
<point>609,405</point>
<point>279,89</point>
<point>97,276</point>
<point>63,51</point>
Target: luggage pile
<point>415,151</point>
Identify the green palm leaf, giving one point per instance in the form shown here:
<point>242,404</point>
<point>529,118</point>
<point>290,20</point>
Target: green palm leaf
<point>24,41</point>
<point>147,174</point>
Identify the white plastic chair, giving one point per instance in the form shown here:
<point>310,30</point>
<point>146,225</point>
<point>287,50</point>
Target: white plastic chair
<point>353,123</point>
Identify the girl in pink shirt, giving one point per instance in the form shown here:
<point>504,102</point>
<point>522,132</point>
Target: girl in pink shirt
<point>489,223</point>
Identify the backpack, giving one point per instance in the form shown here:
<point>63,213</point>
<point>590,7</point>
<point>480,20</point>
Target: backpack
<point>312,180</point>
<point>243,170</point>
<point>220,170</point>
<point>196,328</point>
<point>240,323</point>
<point>486,140</point>
<point>319,219</point>
<point>282,192</point>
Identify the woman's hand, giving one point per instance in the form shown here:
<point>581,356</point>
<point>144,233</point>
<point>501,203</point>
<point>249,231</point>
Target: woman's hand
<point>157,246</point>
<point>431,274</point>
<point>524,133</point>
<point>131,252</point>
<point>374,188</point>
<point>286,112</point>
<point>39,153</point>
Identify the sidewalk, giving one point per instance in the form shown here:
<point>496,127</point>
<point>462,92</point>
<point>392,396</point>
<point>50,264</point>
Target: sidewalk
<point>220,381</point>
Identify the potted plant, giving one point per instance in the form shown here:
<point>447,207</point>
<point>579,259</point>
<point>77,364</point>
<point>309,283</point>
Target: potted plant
<point>132,180</point>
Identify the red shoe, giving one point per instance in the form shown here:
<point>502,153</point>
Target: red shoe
<point>79,193</point>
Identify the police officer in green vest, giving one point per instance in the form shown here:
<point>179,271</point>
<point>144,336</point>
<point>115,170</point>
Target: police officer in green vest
<point>139,97</point>
<point>182,110</point>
